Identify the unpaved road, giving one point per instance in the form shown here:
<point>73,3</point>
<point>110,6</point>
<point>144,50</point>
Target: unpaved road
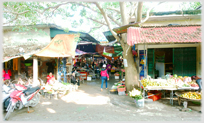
<point>88,103</point>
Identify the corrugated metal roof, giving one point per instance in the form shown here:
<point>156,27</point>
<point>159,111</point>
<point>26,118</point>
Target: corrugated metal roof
<point>137,35</point>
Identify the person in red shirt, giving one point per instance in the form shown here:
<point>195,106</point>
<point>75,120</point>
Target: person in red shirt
<point>7,74</point>
<point>104,77</point>
<point>50,78</point>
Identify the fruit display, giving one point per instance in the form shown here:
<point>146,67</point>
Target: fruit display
<point>193,84</point>
<point>156,83</point>
<point>191,95</point>
<point>172,81</point>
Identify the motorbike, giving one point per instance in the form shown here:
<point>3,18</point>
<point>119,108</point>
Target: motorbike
<point>23,96</point>
<point>6,91</point>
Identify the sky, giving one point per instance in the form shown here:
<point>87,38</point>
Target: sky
<point>166,6</point>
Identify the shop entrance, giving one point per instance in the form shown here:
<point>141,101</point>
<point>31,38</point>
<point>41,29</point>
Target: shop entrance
<point>180,61</point>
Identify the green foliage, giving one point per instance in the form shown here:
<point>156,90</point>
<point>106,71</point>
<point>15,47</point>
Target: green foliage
<point>83,12</point>
<point>77,37</point>
<point>190,5</point>
<point>66,30</point>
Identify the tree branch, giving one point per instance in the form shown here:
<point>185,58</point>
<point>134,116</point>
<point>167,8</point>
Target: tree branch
<point>115,21</point>
<point>139,12</point>
<point>106,19</point>
<point>16,13</point>
<point>118,11</point>
<point>123,13</point>
<point>56,6</point>
<point>97,21</point>
<point>80,4</point>
<point>94,28</point>
<point>147,17</point>
<point>53,12</point>
<point>132,10</point>
<point>11,20</point>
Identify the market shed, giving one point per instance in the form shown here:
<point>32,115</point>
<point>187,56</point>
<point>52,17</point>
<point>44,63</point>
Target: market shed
<point>61,47</point>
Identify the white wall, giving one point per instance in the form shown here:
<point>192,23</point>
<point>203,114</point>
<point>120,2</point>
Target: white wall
<point>13,38</point>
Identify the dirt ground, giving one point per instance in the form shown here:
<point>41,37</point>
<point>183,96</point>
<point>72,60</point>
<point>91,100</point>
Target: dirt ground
<point>88,103</point>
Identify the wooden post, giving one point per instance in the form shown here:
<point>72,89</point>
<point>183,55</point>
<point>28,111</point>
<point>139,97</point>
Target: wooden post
<point>19,66</point>
<point>64,69</point>
<point>35,70</point>
<point>57,69</point>
<point>6,64</point>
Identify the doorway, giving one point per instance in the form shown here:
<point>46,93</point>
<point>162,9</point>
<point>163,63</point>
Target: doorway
<point>180,61</point>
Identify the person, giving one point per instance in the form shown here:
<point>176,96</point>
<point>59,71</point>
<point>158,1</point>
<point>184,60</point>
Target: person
<point>50,78</point>
<point>109,68</point>
<point>101,64</point>
<point>104,77</point>
<point>6,74</point>
<point>75,80</point>
<point>198,81</point>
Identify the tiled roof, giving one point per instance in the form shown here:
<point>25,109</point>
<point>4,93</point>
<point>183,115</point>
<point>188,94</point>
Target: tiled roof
<point>137,35</point>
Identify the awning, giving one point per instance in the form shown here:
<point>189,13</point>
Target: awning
<point>62,45</point>
<point>79,52</point>
<point>186,34</point>
<point>100,49</point>
<point>88,48</point>
<point>25,56</point>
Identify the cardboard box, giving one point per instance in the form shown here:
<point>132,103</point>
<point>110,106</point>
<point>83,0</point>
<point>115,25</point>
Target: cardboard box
<point>116,77</point>
<point>88,78</point>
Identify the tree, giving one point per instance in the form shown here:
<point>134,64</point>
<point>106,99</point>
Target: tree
<point>106,15</point>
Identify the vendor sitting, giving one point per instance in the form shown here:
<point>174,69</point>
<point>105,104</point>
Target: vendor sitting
<point>198,81</point>
<point>50,78</point>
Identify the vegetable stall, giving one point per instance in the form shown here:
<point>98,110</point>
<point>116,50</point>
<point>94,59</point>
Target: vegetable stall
<point>172,83</point>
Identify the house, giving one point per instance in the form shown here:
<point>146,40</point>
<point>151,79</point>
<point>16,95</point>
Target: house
<point>168,42</point>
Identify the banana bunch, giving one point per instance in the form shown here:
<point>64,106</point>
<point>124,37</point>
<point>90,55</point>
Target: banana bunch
<point>191,95</point>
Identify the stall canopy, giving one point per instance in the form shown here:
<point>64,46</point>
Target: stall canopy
<point>87,47</point>
<point>109,36</point>
<point>79,52</point>
<point>62,45</point>
<point>178,34</point>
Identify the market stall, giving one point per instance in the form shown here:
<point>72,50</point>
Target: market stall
<point>170,83</point>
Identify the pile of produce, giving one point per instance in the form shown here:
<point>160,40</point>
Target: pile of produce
<point>115,85</point>
<point>192,95</point>
<point>193,84</point>
<point>172,81</point>
<point>159,83</point>
<point>56,86</point>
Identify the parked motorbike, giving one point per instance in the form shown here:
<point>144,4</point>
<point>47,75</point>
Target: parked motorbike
<point>6,91</point>
<point>21,97</point>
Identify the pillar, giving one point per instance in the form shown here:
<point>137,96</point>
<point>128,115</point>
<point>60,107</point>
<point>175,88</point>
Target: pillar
<point>35,71</point>
<point>19,66</point>
<point>64,69</point>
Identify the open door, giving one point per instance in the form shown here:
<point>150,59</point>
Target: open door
<point>150,62</point>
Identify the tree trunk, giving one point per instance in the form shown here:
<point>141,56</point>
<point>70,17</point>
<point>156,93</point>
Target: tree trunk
<point>131,77</point>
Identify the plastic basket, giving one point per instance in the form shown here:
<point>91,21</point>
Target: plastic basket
<point>121,89</point>
<point>139,103</point>
<point>121,93</point>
